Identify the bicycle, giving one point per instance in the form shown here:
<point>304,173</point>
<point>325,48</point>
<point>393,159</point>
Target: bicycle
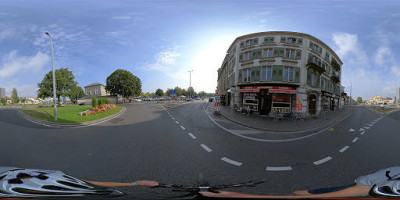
<point>202,186</point>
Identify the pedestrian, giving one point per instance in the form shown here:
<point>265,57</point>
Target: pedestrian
<point>19,182</point>
<point>385,182</point>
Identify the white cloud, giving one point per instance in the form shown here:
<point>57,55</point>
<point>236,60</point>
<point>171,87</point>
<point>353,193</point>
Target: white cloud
<point>164,61</point>
<point>13,64</point>
<point>381,55</point>
<point>349,47</point>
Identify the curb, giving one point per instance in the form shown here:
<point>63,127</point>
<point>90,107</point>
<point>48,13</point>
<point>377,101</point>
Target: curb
<point>380,112</point>
<point>296,131</point>
<point>71,125</point>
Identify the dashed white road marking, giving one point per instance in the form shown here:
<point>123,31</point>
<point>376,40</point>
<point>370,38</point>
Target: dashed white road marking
<point>355,139</point>
<point>366,127</point>
<point>351,130</point>
<point>286,168</point>
<point>205,147</point>
<point>173,118</point>
<point>370,124</point>
<point>232,162</point>
<point>361,129</point>
<point>362,133</point>
<point>183,128</point>
<point>344,149</point>
<point>318,162</point>
<point>176,122</point>
<point>191,135</point>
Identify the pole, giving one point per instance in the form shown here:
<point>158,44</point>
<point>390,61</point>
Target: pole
<point>351,86</point>
<point>190,83</point>
<point>54,77</point>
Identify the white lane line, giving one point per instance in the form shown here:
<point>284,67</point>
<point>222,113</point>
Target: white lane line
<point>176,122</point>
<point>286,168</point>
<point>361,129</point>
<point>206,148</point>
<point>362,133</point>
<point>232,162</point>
<point>344,149</point>
<point>318,162</point>
<point>172,118</point>
<point>191,135</point>
<point>370,124</point>
<point>355,139</point>
<point>183,128</point>
<point>366,127</point>
<point>351,130</point>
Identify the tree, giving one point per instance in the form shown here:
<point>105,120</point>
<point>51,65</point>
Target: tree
<point>202,94</point>
<point>359,100</point>
<point>65,82</point>
<point>3,101</point>
<point>94,102</point>
<point>76,93</point>
<point>14,96</point>
<point>123,83</point>
<point>178,91</point>
<point>159,92</point>
<point>23,100</point>
<point>183,92</point>
<point>191,91</point>
<point>168,92</point>
<point>146,95</point>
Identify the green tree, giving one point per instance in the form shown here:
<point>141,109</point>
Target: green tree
<point>75,93</point>
<point>123,83</point>
<point>152,95</point>
<point>359,100</point>
<point>183,92</point>
<point>94,102</point>
<point>202,94</point>
<point>23,100</point>
<point>14,96</point>
<point>65,82</point>
<point>159,92</point>
<point>178,91</point>
<point>146,95</point>
<point>3,101</point>
<point>168,92</point>
<point>191,91</point>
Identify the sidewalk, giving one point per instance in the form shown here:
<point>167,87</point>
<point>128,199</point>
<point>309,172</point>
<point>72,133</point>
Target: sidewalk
<point>264,123</point>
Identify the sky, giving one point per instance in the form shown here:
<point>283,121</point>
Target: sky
<point>160,41</point>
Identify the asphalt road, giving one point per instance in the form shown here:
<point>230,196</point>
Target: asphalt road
<point>174,144</point>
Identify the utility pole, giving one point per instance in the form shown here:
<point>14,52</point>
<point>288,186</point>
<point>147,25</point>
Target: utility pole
<point>54,77</point>
<point>351,86</point>
<point>190,83</point>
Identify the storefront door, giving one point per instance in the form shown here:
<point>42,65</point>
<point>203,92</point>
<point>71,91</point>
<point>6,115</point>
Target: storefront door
<point>312,102</point>
<point>332,104</point>
<point>265,102</point>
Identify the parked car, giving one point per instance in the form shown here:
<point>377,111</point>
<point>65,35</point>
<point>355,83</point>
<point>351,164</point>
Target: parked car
<point>210,99</point>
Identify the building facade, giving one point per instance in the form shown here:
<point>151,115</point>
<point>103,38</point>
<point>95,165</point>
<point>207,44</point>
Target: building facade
<point>95,90</point>
<point>281,72</point>
<point>2,92</point>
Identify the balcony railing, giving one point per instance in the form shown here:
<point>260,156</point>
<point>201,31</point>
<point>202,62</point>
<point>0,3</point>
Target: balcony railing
<point>315,65</point>
<point>335,65</point>
<point>335,77</point>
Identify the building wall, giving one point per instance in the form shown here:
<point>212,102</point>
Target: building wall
<point>96,90</point>
<point>305,54</point>
<point>2,92</point>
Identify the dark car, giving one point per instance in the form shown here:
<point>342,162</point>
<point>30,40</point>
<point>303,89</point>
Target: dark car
<point>210,99</point>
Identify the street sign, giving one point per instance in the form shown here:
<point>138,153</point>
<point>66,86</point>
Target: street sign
<point>172,93</point>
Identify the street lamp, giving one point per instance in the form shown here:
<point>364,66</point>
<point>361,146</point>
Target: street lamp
<point>54,77</point>
<point>190,82</point>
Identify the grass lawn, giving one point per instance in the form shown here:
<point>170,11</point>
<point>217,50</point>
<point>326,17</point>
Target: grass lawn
<point>381,110</point>
<point>67,114</point>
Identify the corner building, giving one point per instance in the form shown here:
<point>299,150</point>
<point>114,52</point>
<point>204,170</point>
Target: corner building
<point>279,72</point>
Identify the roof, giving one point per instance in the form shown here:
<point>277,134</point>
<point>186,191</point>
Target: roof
<point>94,84</point>
<point>7,98</point>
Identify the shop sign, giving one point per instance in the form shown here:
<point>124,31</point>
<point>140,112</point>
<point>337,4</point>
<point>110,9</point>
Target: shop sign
<point>217,93</point>
<point>282,91</point>
<point>249,90</point>
<point>249,95</point>
<point>280,98</point>
<point>327,94</point>
<point>299,104</point>
<point>268,87</point>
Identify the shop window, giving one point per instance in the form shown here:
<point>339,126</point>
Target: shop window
<point>246,75</point>
<point>266,73</point>
<point>288,74</point>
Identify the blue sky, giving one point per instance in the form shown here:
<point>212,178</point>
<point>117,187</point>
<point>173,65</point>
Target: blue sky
<point>160,41</point>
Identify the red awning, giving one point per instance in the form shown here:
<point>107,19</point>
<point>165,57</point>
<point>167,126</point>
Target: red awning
<point>249,90</point>
<point>282,91</point>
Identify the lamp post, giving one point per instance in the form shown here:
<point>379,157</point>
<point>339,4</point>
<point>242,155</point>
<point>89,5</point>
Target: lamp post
<point>54,77</point>
<point>190,82</point>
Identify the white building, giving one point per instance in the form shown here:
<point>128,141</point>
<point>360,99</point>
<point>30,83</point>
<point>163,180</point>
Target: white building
<point>281,71</point>
<point>96,89</point>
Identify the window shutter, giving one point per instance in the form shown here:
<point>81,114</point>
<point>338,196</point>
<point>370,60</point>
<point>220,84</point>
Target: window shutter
<point>320,49</point>
<point>283,39</point>
<point>276,52</point>
<point>298,54</point>
<point>297,74</point>
<point>275,72</point>
<point>241,44</point>
<point>259,53</point>
<point>318,80</point>
<point>255,73</point>
<point>256,53</point>
<point>255,41</point>
<point>241,57</point>
<point>240,79</point>
<point>300,41</point>
<point>309,57</point>
<point>281,52</point>
<point>280,73</point>
<point>311,44</point>
<point>308,77</point>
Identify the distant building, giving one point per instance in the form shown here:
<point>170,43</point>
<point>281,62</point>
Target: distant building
<point>398,95</point>
<point>2,92</point>
<point>8,99</point>
<point>95,90</point>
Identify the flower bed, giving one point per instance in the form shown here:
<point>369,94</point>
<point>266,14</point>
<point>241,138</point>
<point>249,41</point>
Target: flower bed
<point>98,109</point>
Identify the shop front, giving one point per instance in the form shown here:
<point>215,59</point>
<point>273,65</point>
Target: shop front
<point>264,99</point>
<point>329,101</point>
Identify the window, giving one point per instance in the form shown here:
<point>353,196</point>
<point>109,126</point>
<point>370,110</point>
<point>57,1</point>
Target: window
<point>288,74</point>
<point>268,53</point>
<point>313,79</point>
<point>290,53</point>
<point>249,42</point>
<point>247,55</point>
<point>323,84</point>
<point>269,40</point>
<point>315,47</point>
<point>327,55</point>
<point>246,74</point>
<point>266,73</point>
<point>291,40</point>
